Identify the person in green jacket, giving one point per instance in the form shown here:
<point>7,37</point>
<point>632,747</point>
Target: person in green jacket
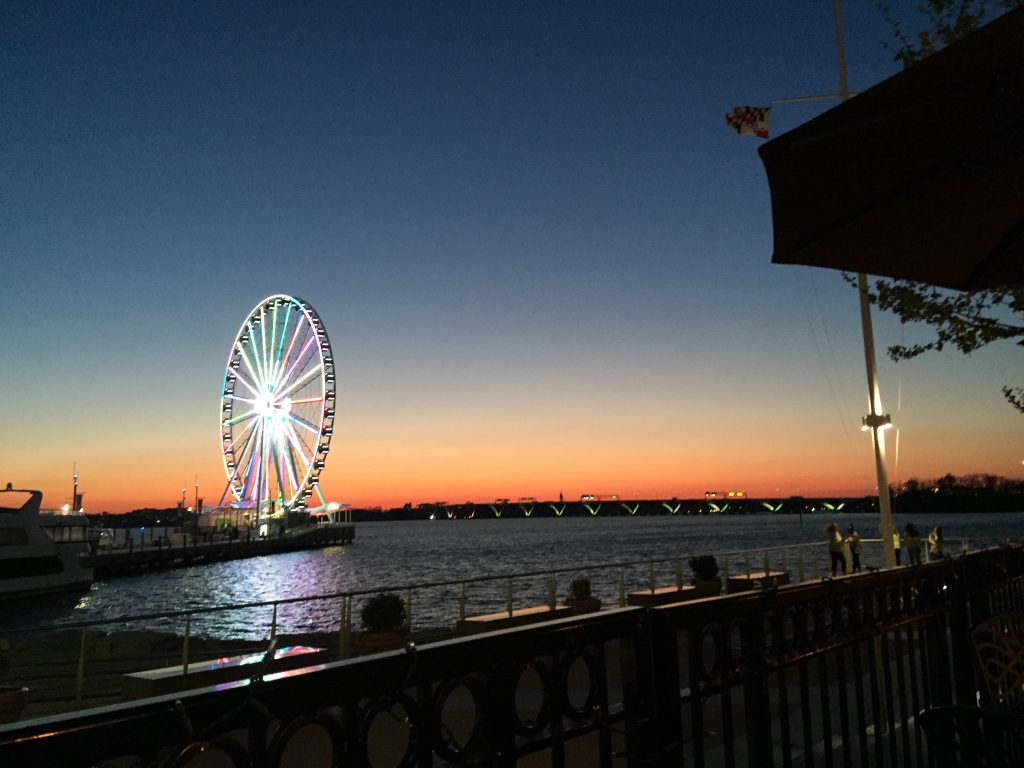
<point>853,539</point>
<point>896,544</point>
<point>912,538</point>
<point>935,544</point>
<point>835,548</point>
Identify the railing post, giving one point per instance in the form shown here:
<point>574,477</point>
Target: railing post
<point>552,595</point>
<point>408,607</point>
<point>462,601</point>
<point>652,579</point>
<point>184,644</point>
<point>273,623</point>
<point>80,678</point>
<point>766,570</point>
<point>510,598</point>
<point>679,574</point>
<point>345,634</point>
<point>756,701</point>
<point>622,587</point>
<point>800,562</point>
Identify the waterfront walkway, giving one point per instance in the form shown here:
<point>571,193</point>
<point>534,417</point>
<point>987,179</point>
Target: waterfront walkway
<point>160,554</point>
<point>826,672</point>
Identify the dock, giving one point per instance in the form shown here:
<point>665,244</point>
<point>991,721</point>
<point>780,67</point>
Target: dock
<point>161,555</point>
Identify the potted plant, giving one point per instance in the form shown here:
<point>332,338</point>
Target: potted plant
<point>705,575</point>
<point>384,627</point>
<point>581,599</point>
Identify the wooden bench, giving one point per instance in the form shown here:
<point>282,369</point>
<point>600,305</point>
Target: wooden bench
<point>647,598</point>
<point>155,682</point>
<point>748,581</point>
<point>488,622</point>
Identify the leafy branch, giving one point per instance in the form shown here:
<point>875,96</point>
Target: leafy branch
<point>965,320</point>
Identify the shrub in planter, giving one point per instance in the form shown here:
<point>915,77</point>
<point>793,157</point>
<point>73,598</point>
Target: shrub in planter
<point>704,567</point>
<point>384,612</point>
<point>581,599</point>
<point>580,589</point>
<point>705,575</point>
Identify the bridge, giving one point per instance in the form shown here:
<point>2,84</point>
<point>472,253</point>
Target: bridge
<point>598,506</point>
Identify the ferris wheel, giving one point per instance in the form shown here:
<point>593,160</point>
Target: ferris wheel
<point>277,406</point>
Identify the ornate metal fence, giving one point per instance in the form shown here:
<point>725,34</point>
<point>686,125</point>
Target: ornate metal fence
<point>831,673</point>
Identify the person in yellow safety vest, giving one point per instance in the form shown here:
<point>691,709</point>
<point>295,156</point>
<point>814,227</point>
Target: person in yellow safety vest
<point>912,537</point>
<point>853,538</point>
<point>935,544</point>
<point>896,544</point>
<point>835,548</point>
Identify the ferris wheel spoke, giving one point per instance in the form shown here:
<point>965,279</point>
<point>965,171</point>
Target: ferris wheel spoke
<point>303,423</point>
<point>250,477</point>
<point>278,459</point>
<point>284,333</point>
<point>273,336</point>
<point>241,417</point>
<point>282,374</point>
<point>302,352</point>
<point>246,435</point>
<point>290,465</point>
<point>299,445</point>
<point>302,379</point>
<point>237,374</point>
<point>263,339</point>
<point>251,365</point>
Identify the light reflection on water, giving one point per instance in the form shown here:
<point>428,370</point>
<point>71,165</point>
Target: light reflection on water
<point>394,554</point>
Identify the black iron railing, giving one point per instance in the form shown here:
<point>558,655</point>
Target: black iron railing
<point>831,673</point>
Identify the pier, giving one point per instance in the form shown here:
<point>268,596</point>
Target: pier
<point>161,555</point>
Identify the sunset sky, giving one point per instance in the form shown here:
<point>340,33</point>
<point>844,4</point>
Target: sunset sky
<point>542,257</point>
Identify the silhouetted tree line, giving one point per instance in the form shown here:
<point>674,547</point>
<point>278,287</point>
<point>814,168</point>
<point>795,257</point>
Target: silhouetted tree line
<point>966,493</point>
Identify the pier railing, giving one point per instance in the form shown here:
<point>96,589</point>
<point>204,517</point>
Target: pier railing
<point>83,664</point>
<point>826,673</point>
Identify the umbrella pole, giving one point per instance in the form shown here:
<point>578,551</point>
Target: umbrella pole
<point>877,423</point>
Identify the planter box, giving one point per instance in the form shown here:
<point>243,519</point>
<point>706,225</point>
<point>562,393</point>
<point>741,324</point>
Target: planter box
<point>755,579</point>
<point>488,622</point>
<point>584,605</point>
<point>368,643</point>
<point>647,598</point>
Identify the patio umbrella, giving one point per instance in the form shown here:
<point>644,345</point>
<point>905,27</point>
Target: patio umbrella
<point>920,177</point>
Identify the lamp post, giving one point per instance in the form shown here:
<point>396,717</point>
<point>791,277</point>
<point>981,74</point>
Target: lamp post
<point>875,421</point>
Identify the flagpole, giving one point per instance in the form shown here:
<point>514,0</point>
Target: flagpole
<point>875,421</point>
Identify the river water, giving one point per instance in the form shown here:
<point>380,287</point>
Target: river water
<point>397,555</point>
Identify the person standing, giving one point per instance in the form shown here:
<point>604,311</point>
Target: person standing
<point>853,539</point>
<point>935,544</point>
<point>913,540</point>
<point>896,544</point>
<point>835,548</point>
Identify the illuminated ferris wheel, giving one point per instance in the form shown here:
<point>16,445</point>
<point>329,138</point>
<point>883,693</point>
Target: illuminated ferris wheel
<point>277,406</point>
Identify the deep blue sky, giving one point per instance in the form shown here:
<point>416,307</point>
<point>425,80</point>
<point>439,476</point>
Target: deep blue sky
<point>541,255</point>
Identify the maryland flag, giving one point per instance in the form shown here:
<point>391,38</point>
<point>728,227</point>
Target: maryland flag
<point>749,120</point>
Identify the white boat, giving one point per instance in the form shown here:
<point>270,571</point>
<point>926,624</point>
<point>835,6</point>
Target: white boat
<point>39,554</point>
